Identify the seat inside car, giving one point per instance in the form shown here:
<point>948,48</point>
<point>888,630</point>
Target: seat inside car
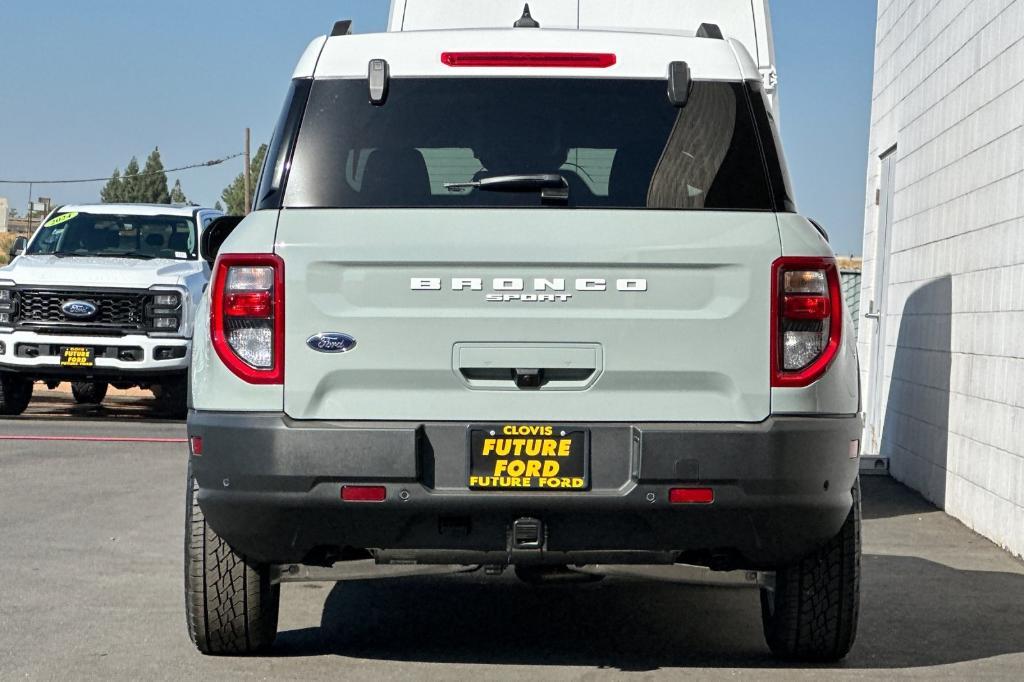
<point>395,177</point>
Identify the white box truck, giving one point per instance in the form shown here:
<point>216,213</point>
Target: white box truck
<point>747,21</point>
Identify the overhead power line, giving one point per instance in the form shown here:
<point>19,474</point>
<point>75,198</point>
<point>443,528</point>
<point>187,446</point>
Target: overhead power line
<point>205,164</point>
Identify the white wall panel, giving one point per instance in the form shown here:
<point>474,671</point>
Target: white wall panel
<point>949,92</point>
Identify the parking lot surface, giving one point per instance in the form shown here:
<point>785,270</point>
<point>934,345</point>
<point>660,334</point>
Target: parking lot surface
<point>92,589</point>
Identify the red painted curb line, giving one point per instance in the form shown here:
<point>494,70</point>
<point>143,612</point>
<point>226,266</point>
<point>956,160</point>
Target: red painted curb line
<point>95,439</point>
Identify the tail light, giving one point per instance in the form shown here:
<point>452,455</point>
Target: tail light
<point>247,316</point>
<point>807,319</point>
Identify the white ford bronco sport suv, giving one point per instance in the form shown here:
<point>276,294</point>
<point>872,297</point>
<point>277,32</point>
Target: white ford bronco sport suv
<point>524,297</point>
<point>103,295</point>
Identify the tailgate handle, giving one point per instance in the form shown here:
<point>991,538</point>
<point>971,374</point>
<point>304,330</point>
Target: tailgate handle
<point>528,366</point>
<point>527,378</point>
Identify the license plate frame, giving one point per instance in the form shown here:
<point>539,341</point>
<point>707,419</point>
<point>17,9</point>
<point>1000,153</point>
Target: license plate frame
<point>78,356</point>
<point>484,474</point>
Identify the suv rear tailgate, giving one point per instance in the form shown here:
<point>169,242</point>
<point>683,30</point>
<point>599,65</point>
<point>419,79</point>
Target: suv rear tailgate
<point>692,346</point>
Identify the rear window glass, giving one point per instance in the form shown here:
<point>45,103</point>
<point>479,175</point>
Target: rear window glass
<point>617,143</point>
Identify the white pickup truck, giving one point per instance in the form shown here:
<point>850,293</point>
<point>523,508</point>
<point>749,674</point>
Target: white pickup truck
<point>103,295</point>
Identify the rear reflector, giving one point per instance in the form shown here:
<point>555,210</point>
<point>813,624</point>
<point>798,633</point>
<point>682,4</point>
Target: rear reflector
<point>363,493</point>
<point>691,496</point>
<point>196,443</point>
<point>565,60</point>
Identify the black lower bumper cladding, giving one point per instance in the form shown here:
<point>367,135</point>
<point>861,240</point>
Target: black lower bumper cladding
<point>271,487</point>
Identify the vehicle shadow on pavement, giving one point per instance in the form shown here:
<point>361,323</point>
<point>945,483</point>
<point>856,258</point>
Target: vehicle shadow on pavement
<point>56,405</point>
<point>885,498</point>
<point>914,613</point>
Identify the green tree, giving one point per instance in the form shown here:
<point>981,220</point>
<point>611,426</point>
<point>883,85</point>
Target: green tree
<point>177,194</point>
<point>234,194</point>
<point>113,191</point>
<point>130,182</point>
<point>152,187</point>
<point>218,207</point>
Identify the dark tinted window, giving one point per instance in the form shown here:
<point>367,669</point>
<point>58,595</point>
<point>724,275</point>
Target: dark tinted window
<point>618,143</point>
<point>88,234</point>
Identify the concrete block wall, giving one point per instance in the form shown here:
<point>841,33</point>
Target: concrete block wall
<point>949,95</point>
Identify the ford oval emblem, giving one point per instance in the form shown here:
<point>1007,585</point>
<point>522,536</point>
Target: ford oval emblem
<point>80,310</point>
<point>331,342</point>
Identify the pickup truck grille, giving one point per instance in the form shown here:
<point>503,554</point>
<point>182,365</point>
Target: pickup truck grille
<point>118,312</point>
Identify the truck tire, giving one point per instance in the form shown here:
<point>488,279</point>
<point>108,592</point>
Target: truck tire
<point>811,614</point>
<point>15,394</point>
<point>89,392</point>
<point>231,607</point>
<point>172,398</point>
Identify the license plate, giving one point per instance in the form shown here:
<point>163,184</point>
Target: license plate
<point>529,457</point>
<point>77,356</point>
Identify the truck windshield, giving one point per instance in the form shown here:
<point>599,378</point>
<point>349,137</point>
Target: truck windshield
<point>617,143</point>
<point>116,236</point>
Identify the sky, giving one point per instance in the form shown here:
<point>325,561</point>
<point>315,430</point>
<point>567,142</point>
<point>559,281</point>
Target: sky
<point>84,86</point>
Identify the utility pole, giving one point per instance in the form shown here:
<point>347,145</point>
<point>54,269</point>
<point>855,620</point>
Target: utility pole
<point>29,216</point>
<point>245,174</point>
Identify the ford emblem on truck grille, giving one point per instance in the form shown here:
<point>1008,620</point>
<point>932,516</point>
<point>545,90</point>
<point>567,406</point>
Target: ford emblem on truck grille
<point>80,310</point>
<point>331,342</point>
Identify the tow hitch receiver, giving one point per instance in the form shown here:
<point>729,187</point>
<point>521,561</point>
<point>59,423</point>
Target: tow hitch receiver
<point>527,534</point>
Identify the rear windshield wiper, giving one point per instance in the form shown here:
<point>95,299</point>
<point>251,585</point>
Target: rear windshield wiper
<point>552,187</point>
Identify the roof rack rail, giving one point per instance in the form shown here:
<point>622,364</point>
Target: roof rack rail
<point>342,28</point>
<point>710,31</point>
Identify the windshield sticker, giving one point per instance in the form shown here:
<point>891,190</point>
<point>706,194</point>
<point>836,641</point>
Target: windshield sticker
<point>62,218</point>
<point>180,254</point>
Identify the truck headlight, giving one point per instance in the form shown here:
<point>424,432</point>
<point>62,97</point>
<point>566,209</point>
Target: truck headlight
<point>167,300</point>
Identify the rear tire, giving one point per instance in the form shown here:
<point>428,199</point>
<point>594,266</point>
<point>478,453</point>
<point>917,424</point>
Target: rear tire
<point>811,614</point>
<point>230,605</point>
<point>15,394</point>
<point>89,392</point>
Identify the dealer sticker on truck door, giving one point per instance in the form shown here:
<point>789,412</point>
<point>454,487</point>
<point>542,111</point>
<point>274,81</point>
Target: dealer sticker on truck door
<point>529,457</point>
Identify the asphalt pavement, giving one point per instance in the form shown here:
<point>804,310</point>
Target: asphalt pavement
<point>92,536</point>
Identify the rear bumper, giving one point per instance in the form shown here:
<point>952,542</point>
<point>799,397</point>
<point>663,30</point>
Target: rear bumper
<point>270,486</point>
